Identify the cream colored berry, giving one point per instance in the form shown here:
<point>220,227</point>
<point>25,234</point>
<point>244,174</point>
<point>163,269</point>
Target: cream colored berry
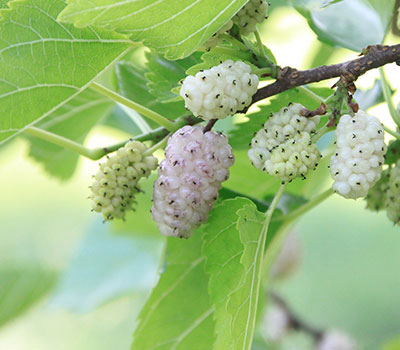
<point>359,156</point>
<point>255,11</point>
<point>283,147</point>
<point>219,91</point>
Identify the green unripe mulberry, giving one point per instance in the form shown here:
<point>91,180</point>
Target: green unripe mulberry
<point>376,196</point>
<point>116,181</point>
<point>393,195</point>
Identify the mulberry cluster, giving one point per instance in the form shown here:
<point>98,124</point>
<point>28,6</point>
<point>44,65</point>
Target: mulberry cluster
<point>116,181</point>
<point>255,11</point>
<point>219,91</point>
<point>189,178</point>
<point>283,147</point>
<point>392,202</point>
<point>216,38</point>
<point>357,162</point>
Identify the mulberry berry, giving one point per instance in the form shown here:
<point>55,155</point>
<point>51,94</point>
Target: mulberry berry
<point>255,11</point>
<point>393,195</point>
<point>189,178</point>
<point>357,162</point>
<point>376,197</point>
<point>216,37</point>
<point>220,91</point>
<point>283,147</point>
<point>116,181</point>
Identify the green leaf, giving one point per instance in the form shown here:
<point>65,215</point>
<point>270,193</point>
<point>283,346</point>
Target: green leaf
<point>44,64</point>
<point>175,28</point>
<point>243,303</point>
<point>73,120</point>
<point>371,97</point>
<point>165,75</point>
<point>105,267</point>
<point>132,83</point>
<point>20,288</point>
<point>178,314</point>
<point>340,24</point>
<point>223,249</point>
<point>241,136</point>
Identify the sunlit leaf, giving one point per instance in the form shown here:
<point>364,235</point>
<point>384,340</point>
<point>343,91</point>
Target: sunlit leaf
<point>175,27</point>
<point>44,64</point>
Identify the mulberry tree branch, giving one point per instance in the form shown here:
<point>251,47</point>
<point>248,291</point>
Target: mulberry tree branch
<point>348,72</point>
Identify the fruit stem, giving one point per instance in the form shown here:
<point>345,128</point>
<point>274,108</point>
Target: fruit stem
<point>306,207</point>
<point>392,132</point>
<point>321,132</point>
<point>60,141</point>
<point>262,72</point>
<point>157,146</point>
<point>154,116</point>
<point>261,48</point>
<point>97,153</point>
<point>388,97</point>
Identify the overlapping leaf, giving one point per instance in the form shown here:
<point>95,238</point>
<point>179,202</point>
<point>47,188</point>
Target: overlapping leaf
<point>164,75</point>
<point>173,27</point>
<point>132,83</point>
<point>234,247</point>
<point>44,64</point>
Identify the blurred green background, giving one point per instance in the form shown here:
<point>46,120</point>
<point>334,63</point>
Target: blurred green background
<point>91,279</point>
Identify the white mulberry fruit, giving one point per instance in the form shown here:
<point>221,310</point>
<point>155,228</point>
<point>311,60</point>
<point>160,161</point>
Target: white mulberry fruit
<point>283,147</point>
<point>336,340</point>
<point>219,91</point>
<point>216,38</point>
<point>189,178</point>
<point>393,195</point>
<point>360,149</point>
<point>255,11</point>
<point>116,181</point>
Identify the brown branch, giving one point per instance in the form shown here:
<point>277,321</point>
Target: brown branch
<point>288,78</point>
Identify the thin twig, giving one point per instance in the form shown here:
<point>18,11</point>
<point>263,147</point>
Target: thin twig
<point>296,322</point>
